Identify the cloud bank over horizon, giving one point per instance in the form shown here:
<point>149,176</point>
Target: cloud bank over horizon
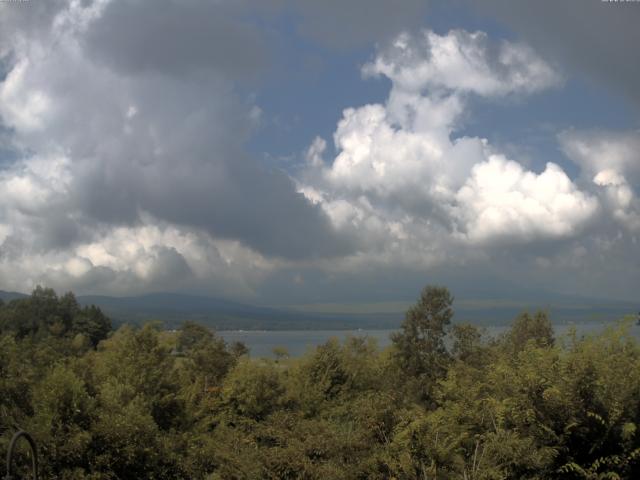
<point>126,163</point>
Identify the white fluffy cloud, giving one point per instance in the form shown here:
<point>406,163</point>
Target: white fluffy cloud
<point>129,169</point>
<point>462,61</point>
<point>501,198</point>
<point>611,160</point>
<point>402,176</point>
<point>598,150</point>
<point>130,260</point>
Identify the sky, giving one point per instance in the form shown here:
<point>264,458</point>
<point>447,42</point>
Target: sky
<point>304,151</point>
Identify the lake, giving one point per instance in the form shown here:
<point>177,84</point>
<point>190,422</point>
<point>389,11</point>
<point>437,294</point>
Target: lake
<point>297,342</point>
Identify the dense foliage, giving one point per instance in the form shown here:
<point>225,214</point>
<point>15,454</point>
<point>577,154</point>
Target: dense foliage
<point>442,402</point>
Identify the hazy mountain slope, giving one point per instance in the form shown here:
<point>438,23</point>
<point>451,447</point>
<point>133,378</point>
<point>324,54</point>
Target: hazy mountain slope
<point>8,296</point>
<point>173,309</point>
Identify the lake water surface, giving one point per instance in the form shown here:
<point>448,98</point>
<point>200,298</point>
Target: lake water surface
<point>297,342</point>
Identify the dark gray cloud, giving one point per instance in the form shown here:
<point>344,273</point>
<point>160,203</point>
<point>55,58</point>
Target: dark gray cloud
<point>170,267</point>
<point>354,23</point>
<point>177,37</point>
<point>141,135</point>
<point>260,207</point>
<point>597,266</point>
<point>592,37</point>
<point>32,19</point>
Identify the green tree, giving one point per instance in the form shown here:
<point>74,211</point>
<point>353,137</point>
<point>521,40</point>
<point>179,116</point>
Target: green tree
<point>62,421</point>
<point>45,315</point>
<point>191,335</point>
<point>419,347</point>
<point>253,389</point>
<point>527,328</point>
<point>92,323</point>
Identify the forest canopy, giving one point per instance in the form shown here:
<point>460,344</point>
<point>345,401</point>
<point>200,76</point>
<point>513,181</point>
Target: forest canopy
<point>442,401</point>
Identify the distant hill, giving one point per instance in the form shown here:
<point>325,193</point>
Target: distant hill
<point>561,312</point>
<point>494,312</point>
<point>8,296</point>
<point>173,309</point>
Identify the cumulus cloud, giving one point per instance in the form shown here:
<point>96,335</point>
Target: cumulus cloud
<point>611,160</point>
<point>402,176</point>
<point>104,140</point>
<point>462,61</point>
<point>153,255</point>
<point>501,198</point>
<point>126,127</point>
<point>597,150</point>
<point>590,37</point>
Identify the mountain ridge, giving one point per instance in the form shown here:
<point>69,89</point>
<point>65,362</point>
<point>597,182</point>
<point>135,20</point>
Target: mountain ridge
<point>172,309</point>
